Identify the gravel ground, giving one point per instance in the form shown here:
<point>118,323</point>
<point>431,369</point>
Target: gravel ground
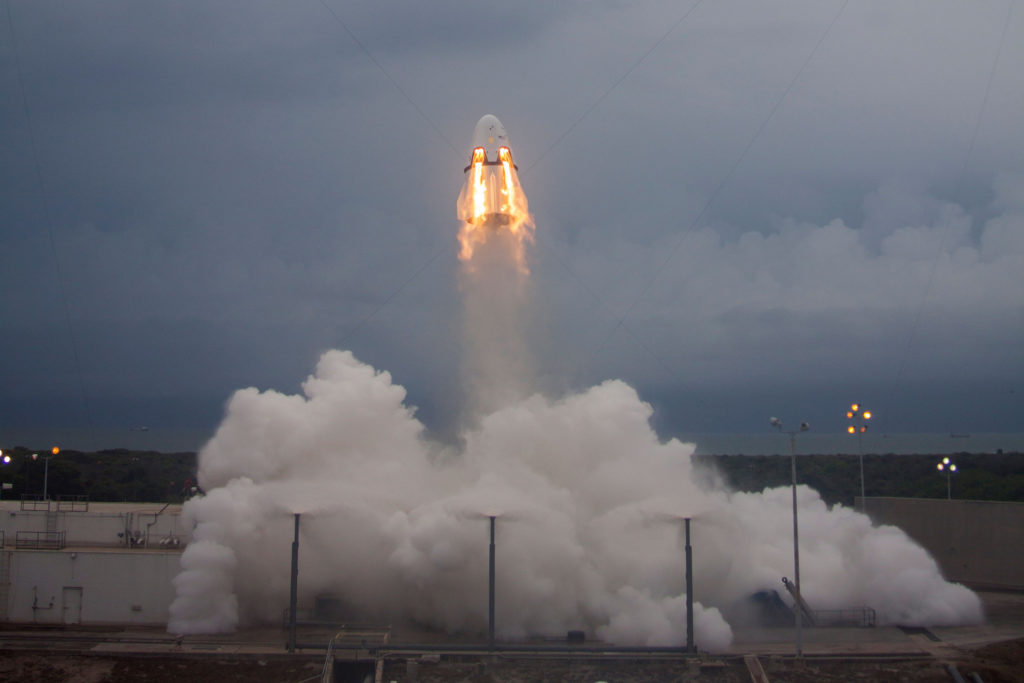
<point>997,663</point>
<point>49,667</point>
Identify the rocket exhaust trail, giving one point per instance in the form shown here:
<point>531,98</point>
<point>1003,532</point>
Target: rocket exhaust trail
<point>496,227</point>
<point>590,495</point>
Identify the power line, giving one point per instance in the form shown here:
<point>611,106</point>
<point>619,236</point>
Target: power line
<point>387,75</point>
<point>362,323</point>
<point>408,281</point>
<point>614,85</point>
<point>901,368</point>
<point>724,181</point>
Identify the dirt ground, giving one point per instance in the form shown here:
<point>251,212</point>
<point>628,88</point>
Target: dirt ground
<point>998,663</point>
<point>51,667</point>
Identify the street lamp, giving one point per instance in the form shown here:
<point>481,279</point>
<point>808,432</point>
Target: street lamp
<point>4,460</point>
<point>949,468</point>
<point>860,419</point>
<point>46,470</point>
<point>777,423</point>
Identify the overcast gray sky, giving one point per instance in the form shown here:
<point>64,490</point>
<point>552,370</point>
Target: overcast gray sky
<point>198,197</point>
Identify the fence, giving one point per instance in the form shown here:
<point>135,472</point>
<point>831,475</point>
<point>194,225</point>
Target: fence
<point>34,502</point>
<point>40,540</point>
<point>855,616</point>
<point>72,503</point>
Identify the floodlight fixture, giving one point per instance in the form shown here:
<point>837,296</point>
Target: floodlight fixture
<point>949,467</point>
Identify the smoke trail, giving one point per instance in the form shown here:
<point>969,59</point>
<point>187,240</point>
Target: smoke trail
<point>496,364</point>
<point>588,501</point>
<point>495,232</point>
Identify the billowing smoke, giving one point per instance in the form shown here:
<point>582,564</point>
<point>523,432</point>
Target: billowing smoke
<point>589,503</point>
<point>588,499</point>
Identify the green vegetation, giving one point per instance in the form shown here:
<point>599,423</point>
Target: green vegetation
<point>980,476</point>
<point>112,475</point>
<point>148,476</point>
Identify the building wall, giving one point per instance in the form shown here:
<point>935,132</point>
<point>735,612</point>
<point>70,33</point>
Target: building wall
<point>978,543</point>
<point>101,525</point>
<point>89,586</point>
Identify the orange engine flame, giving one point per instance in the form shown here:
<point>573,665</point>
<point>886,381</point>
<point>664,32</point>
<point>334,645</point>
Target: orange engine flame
<point>492,200</point>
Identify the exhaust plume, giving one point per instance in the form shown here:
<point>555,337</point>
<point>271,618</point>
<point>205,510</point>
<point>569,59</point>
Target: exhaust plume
<point>589,501</point>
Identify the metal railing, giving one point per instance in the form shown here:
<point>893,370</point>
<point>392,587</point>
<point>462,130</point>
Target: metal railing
<point>853,616</point>
<point>40,540</point>
<point>72,503</point>
<point>34,502</point>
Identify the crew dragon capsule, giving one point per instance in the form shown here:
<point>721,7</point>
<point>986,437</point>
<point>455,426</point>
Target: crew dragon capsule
<point>491,195</point>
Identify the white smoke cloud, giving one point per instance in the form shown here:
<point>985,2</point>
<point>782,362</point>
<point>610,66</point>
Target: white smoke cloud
<point>588,502</point>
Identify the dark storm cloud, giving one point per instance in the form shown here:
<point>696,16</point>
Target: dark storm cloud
<point>233,188</point>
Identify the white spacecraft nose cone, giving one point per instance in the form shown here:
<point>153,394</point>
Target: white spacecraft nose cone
<point>489,134</point>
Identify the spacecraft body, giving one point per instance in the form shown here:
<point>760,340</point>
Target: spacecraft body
<point>491,194</point>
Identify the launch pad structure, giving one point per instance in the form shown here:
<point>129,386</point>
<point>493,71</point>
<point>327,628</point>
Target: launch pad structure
<point>97,578</point>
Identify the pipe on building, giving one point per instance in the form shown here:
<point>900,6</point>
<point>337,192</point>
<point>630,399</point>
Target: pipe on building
<point>149,525</point>
<point>35,602</point>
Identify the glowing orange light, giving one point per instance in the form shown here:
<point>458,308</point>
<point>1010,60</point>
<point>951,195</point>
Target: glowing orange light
<point>55,450</point>
<point>491,200</point>
<point>855,407</point>
<point>508,189</point>
<point>851,429</point>
<point>849,414</point>
<point>867,415</point>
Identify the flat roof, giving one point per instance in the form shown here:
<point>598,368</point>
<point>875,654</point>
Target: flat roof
<point>92,506</point>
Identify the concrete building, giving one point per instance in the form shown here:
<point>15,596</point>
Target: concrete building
<point>77,562</point>
<point>976,542</point>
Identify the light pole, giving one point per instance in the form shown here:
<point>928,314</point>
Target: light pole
<point>860,425</point>
<point>490,590</point>
<point>4,460</point>
<point>689,590</point>
<point>293,594</point>
<point>46,470</point>
<point>949,468</point>
<point>777,423</point>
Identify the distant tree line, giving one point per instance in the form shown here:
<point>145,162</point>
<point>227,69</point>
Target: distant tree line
<point>149,476</point>
<point>979,476</point>
<point>111,475</point>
